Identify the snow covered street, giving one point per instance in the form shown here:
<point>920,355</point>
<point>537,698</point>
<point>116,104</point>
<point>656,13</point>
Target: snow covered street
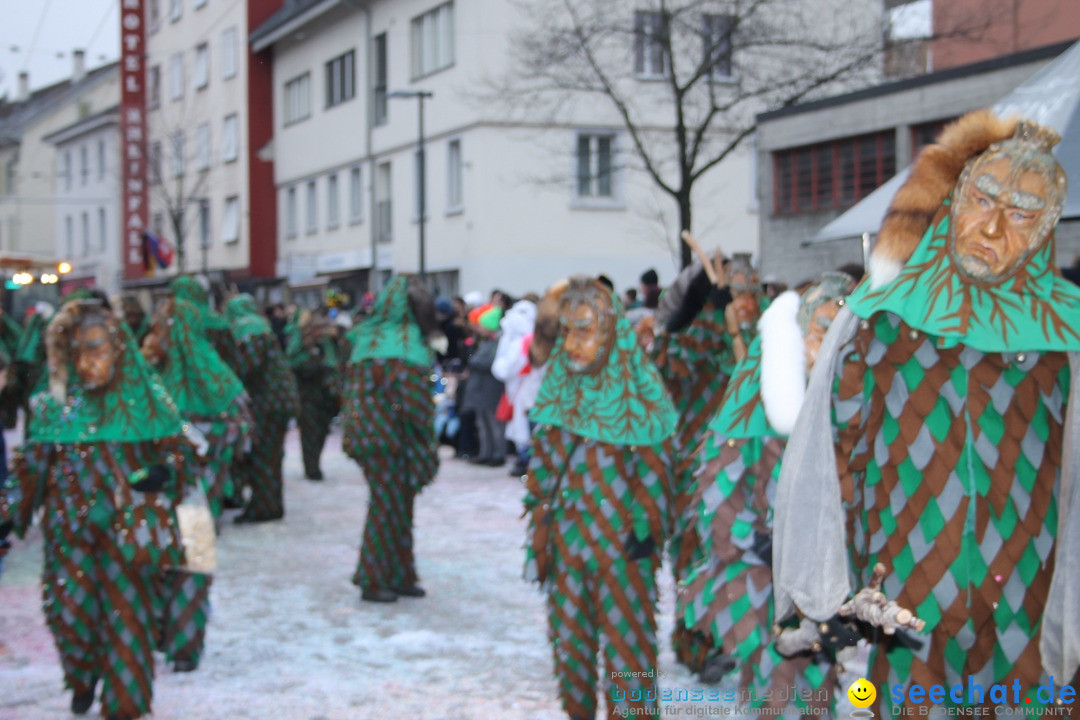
<point>290,639</point>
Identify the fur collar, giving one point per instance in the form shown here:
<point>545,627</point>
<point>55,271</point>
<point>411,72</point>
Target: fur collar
<point>783,362</point>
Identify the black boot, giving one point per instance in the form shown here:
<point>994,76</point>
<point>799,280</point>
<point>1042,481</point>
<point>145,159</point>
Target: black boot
<point>379,596</point>
<point>413,591</point>
<point>716,667</point>
<point>81,700</point>
<point>184,665</point>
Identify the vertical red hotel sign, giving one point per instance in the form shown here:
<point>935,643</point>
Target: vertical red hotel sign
<point>133,133</point>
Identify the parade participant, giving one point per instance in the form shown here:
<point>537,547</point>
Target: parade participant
<point>262,367</point>
<point>730,506</point>
<point>313,350</point>
<point>135,317</point>
<point>217,326</point>
<point>389,431</point>
<point>104,455</point>
<point>747,303</point>
<point>598,496</point>
<point>694,353</point>
<point>210,396</point>
<point>932,438</point>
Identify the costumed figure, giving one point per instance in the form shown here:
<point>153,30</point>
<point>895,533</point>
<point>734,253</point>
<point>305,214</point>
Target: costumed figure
<point>271,386</point>
<point>314,351</point>
<point>217,326</point>
<point>10,338</point>
<point>747,303</point>
<point>933,437</point>
<point>105,458</point>
<point>598,497</point>
<point>694,353</point>
<point>390,431</point>
<point>135,317</point>
<point>727,597</point>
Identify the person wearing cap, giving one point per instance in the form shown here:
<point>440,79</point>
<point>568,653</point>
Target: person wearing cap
<point>933,439</point>
<point>105,458</point>
<point>598,494</point>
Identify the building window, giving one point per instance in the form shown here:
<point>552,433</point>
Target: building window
<point>312,207</point>
<point>332,202</point>
<point>454,199</point>
<point>650,44</point>
<point>230,141</point>
<point>155,162</point>
<point>85,233</point>
<point>101,159</point>
<point>153,87</point>
<point>230,54</point>
<point>84,164</point>
<point>176,76</point>
<point>433,41</point>
<point>298,99</point>
<point>716,35</point>
<point>178,153</point>
<point>379,103</point>
<point>204,223</point>
<point>290,213</point>
<point>383,207</point>
<point>101,230</point>
<point>340,79</point>
<point>202,147</point>
<point>595,173</point>
<point>833,175</point>
<point>176,9</point>
<point>230,225</point>
<point>153,15</point>
<point>356,195</point>
<point>67,170</point>
<point>69,236</point>
<point>202,66</point>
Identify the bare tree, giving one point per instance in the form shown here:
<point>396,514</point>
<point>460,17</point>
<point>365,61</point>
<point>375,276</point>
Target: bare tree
<point>686,78</point>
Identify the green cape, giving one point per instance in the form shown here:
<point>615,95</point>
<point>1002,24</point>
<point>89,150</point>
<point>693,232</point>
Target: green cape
<point>201,383</point>
<point>741,413</point>
<point>188,288</point>
<point>624,403</point>
<point>390,331</point>
<point>1034,310</point>
<point>135,408</point>
<point>245,320</point>
<point>298,355</point>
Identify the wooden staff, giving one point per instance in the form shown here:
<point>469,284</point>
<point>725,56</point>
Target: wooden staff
<point>710,270</point>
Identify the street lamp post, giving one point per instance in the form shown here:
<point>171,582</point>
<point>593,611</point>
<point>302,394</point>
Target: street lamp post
<point>421,178</point>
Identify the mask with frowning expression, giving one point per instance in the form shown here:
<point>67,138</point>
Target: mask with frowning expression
<point>818,307</point>
<point>587,318</point>
<point>1007,203</point>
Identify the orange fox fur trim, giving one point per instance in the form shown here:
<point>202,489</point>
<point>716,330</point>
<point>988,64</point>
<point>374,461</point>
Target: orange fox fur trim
<point>933,176</point>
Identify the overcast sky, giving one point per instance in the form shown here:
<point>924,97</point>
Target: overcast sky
<point>39,35</point>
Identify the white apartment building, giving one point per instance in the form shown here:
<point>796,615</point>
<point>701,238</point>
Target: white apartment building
<point>87,200</point>
<point>197,102</point>
<point>510,204</point>
<point>30,166</point>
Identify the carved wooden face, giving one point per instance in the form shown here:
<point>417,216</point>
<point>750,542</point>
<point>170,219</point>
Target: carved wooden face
<point>820,321</point>
<point>744,297</point>
<point>997,221</point>
<point>588,331</point>
<point>95,355</point>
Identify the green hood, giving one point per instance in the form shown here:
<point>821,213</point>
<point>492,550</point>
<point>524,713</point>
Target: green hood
<point>1034,310</point>
<point>188,288</point>
<point>135,408</point>
<point>200,381</point>
<point>391,331</point>
<point>741,414</point>
<point>298,355</point>
<point>624,403</point>
<point>244,318</point>
<point>31,347</point>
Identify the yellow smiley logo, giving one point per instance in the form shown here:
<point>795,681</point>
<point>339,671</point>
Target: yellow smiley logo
<point>862,693</point>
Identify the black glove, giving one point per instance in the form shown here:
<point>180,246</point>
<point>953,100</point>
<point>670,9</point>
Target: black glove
<point>762,547</point>
<point>639,549</point>
<point>156,476</point>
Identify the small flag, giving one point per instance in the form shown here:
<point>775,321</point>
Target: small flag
<point>160,248</point>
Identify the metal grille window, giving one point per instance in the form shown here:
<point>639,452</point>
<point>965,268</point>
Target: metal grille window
<point>594,165</point>
<point>153,89</point>
<point>341,79</point>
<point>298,99</point>
<point>650,44</point>
<point>176,76</point>
<point>433,41</point>
<point>204,223</point>
<point>833,175</point>
<point>178,153</point>
<point>101,230</point>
